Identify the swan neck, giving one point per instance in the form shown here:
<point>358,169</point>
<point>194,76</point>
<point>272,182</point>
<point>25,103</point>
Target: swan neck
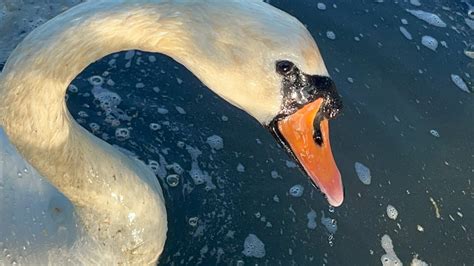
<point>104,185</point>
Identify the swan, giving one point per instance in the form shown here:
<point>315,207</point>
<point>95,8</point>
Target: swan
<point>85,202</point>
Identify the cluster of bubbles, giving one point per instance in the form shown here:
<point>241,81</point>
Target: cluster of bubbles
<point>296,191</point>
<point>253,247</point>
<point>363,172</point>
<point>215,142</point>
<point>429,18</point>
<point>392,212</point>
<point>390,258</point>
<point>108,101</point>
<point>429,42</point>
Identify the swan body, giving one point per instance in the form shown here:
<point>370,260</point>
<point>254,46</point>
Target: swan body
<point>81,201</point>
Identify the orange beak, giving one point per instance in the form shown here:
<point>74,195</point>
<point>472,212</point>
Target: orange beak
<point>308,139</point>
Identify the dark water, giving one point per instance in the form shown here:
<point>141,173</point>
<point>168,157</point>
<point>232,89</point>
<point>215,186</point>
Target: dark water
<point>395,92</point>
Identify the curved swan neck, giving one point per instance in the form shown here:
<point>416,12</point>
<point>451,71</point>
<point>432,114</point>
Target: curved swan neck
<point>114,195</point>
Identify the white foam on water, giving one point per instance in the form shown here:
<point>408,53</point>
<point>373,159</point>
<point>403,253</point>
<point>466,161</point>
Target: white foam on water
<point>405,33</point>
<point>459,82</point>
<point>392,212</point>
<point>321,6</point>
<point>469,23</point>
<point>215,142</point>
<point>329,223</point>
<point>429,42</point>
<point>291,164</point>
<point>311,219</point>
<point>429,18</point>
<point>240,168</point>
<point>390,258</point>
<point>296,191</point>
<point>162,111</point>
<point>199,176</point>
<point>434,133</point>
<point>417,262</point>
<point>404,21</point>
<point>331,35</point>
<point>415,2</point>
<point>275,175</point>
<point>253,247</point>
<point>363,172</point>
<point>180,110</point>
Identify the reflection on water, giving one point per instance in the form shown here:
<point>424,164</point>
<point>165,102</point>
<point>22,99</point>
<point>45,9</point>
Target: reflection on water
<point>234,197</point>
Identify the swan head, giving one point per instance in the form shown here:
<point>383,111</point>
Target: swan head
<point>265,62</point>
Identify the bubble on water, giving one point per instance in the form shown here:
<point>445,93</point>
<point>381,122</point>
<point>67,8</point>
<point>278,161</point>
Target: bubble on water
<point>224,118</point>
<point>94,127</point>
<point>321,6</point>
<point>392,212</point>
<point>363,172</point>
<point>434,133</point>
<point>275,175</point>
<point>172,180</point>
<point>311,219</point>
<point>470,22</point>
<point>139,85</point>
<point>129,54</point>
<point>459,82</point>
<point>82,114</point>
<point>96,81</point>
<point>122,134</point>
<point>158,167</point>
<point>429,42</point>
<point>404,21</point>
<point>155,126</point>
<point>180,144</point>
<point>276,198</point>
<point>405,33</point>
<point>240,168</point>
<point>199,176</point>
<point>180,110</point>
<point>162,111</point>
<point>72,88</point>
<point>331,35</point>
<point>420,228</point>
<point>296,191</point>
<point>329,223</point>
<point>152,58</point>
<point>253,247</point>
<point>430,18</point>
<point>215,142</point>
<point>291,164</point>
<point>415,2</point>
<point>176,168</point>
<point>193,221</point>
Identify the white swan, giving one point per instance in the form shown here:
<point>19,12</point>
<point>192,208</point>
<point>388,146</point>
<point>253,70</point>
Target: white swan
<point>98,206</point>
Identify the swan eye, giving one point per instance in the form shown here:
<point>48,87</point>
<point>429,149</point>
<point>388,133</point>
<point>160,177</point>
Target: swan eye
<point>284,67</point>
